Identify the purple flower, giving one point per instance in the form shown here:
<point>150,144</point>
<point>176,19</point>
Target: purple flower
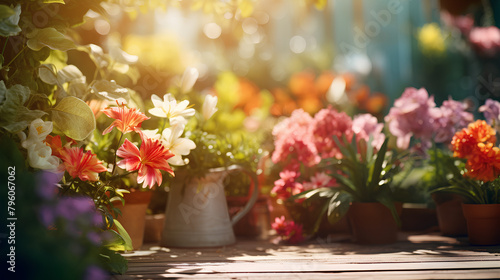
<point>449,118</point>
<point>96,273</point>
<point>46,215</point>
<point>47,184</point>
<point>94,237</point>
<point>491,111</point>
<point>366,125</point>
<point>412,115</point>
<point>72,207</point>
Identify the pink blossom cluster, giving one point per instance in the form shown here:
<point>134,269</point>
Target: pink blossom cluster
<point>415,114</point>
<point>486,40</point>
<point>302,139</point>
<point>491,111</point>
<point>326,124</point>
<point>293,143</point>
<point>320,180</point>
<point>450,118</point>
<point>289,231</point>
<point>366,125</point>
<point>286,186</point>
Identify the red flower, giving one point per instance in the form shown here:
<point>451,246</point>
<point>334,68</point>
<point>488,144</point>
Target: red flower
<point>85,166</point>
<point>289,232</point>
<point>148,160</point>
<point>286,185</point>
<point>126,119</point>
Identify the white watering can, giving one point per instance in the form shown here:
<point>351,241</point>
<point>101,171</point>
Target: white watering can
<point>197,214</point>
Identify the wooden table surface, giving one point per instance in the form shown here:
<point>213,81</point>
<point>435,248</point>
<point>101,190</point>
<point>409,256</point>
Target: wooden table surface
<point>414,256</point>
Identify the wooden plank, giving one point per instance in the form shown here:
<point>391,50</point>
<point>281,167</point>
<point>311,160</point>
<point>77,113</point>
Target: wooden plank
<point>414,257</point>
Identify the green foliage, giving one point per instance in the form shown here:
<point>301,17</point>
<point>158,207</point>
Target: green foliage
<point>449,177</point>
<point>14,116</point>
<point>74,118</point>
<point>362,175</point>
<point>222,150</point>
<point>9,19</point>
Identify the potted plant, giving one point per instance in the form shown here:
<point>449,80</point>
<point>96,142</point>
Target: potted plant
<point>196,213</point>
<point>435,126</point>
<point>321,155</point>
<point>476,177</point>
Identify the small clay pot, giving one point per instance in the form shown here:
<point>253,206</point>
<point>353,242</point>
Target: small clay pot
<point>450,215</point>
<point>373,223</point>
<point>483,223</point>
<point>133,217</point>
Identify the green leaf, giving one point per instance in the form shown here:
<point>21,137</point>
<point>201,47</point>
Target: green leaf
<point>68,74</point>
<point>47,74</point>
<point>113,261</point>
<point>51,38</point>
<point>109,90</point>
<point>378,167</point>
<point>384,196</point>
<point>14,116</point>
<point>9,19</point>
<point>127,241</point>
<point>74,118</point>
<point>338,206</point>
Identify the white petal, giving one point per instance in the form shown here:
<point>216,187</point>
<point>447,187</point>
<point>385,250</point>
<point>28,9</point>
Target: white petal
<point>176,160</point>
<point>189,79</point>
<point>167,137</point>
<point>178,121</point>
<point>183,146</point>
<point>152,134</point>
<point>157,112</point>
<point>157,102</point>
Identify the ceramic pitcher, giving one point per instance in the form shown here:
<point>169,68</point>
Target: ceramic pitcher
<point>197,214</point>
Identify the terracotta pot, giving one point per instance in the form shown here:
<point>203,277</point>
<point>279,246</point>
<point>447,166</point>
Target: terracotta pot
<point>483,223</point>
<point>133,216</point>
<point>153,228</point>
<point>449,214</point>
<point>255,223</point>
<point>417,217</point>
<point>373,223</point>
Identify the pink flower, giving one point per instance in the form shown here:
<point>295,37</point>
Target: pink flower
<point>148,160</point>
<point>491,111</point>
<point>287,186</point>
<point>126,119</point>
<point>450,118</point>
<point>85,166</point>
<point>295,150</point>
<point>289,232</point>
<point>366,125</point>
<point>412,115</point>
<point>320,180</point>
<point>486,40</point>
<point>326,124</point>
<point>292,141</point>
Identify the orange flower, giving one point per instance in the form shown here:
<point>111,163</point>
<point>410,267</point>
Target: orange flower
<point>85,166</point>
<point>302,84</point>
<point>484,163</point>
<point>465,142</point>
<point>482,131</point>
<point>148,160</point>
<point>126,119</point>
<point>54,142</point>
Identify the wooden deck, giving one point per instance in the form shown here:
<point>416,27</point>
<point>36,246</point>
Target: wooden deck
<point>422,256</point>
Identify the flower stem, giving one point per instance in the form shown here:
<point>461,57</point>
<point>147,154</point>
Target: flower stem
<point>8,64</point>
<point>116,151</point>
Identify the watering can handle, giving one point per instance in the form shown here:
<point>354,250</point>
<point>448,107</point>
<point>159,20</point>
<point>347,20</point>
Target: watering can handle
<point>253,198</point>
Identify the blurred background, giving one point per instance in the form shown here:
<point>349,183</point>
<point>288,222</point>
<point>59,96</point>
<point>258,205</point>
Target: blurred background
<point>295,49</point>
